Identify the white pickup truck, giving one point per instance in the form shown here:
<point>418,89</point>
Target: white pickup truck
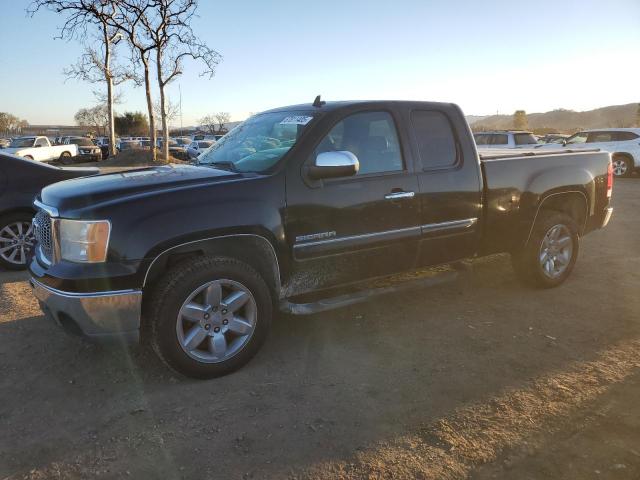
<point>40,149</point>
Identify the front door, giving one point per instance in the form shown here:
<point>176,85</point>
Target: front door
<point>358,227</point>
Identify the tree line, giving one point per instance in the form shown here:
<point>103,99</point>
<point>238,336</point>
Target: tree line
<point>158,36</point>
<point>10,124</point>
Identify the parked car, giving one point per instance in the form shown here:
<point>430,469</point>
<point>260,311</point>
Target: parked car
<point>195,148</point>
<point>622,143</point>
<point>125,145</point>
<point>20,180</point>
<point>505,139</point>
<point>41,150</point>
<point>200,137</point>
<point>103,143</point>
<point>297,200</point>
<point>88,150</point>
<point>4,142</point>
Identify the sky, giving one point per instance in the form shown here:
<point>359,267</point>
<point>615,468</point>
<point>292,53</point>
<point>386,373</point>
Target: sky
<point>486,56</point>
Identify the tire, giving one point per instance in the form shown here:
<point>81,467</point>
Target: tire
<point>622,166</point>
<point>172,322</point>
<point>65,158</point>
<point>536,269</point>
<point>13,256</point>
<point>28,157</point>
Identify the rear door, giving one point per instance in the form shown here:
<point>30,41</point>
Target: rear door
<point>357,227</point>
<point>450,189</point>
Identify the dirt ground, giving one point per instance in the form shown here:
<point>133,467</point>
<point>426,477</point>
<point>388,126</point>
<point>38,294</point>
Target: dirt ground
<point>482,378</point>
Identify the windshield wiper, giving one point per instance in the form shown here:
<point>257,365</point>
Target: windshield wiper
<point>229,166</point>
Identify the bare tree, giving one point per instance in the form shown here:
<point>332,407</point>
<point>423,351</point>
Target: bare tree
<point>222,118</point>
<point>214,124</point>
<point>208,123</point>
<point>168,26</point>
<point>10,124</point>
<point>83,19</point>
<point>96,117</point>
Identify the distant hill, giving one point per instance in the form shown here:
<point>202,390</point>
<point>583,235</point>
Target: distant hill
<point>567,121</point>
<point>475,118</point>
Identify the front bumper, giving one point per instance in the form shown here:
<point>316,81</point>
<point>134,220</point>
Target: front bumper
<point>101,316</point>
<point>89,157</point>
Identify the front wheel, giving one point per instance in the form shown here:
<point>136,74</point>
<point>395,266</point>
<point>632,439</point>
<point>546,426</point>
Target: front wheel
<point>209,316</point>
<point>65,158</point>
<point>16,240</point>
<point>550,255</point>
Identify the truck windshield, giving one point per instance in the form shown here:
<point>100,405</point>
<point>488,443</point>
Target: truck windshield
<point>258,143</point>
<point>22,142</point>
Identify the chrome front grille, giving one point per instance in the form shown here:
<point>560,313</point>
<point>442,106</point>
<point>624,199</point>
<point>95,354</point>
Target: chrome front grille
<point>42,226</point>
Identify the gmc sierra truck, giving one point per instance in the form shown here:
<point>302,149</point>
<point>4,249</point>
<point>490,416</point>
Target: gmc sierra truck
<point>291,205</point>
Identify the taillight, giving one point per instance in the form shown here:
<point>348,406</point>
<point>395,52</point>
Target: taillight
<point>609,180</point>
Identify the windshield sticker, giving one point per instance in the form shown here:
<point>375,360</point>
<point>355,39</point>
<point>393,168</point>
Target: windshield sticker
<point>297,120</point>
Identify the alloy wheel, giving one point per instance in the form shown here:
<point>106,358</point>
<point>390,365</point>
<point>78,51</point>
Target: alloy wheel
<point>556,251</point>
<point>216,321</point>
<point>619,167</point>
<point>16,241</point>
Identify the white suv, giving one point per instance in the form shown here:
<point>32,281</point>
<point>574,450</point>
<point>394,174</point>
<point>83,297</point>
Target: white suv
<point>505,139</point>
<point>623,143</point>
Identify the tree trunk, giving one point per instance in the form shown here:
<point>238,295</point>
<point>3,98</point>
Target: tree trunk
<point>152,121</point>
<point>109,79</point>
<point>163,109</point>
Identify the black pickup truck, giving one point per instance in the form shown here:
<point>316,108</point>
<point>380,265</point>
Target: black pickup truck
<point>293,202</point>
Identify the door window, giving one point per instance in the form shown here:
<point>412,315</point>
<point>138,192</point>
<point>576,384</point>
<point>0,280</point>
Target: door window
<point>41,142</point>
<point>371,137</point>
<point>524,139</point>
<point>435,139</point>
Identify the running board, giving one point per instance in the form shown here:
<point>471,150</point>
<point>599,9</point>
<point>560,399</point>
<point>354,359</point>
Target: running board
<point>364,295</point>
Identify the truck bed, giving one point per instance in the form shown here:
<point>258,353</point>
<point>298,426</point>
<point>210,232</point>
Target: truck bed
<point>516,182</point>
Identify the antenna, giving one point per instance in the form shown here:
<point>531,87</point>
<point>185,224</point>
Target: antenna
<point>318,103</point>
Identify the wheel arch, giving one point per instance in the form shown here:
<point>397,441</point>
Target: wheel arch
<point>11,211</point>
<point>253,249</point>
<point>573,202</point>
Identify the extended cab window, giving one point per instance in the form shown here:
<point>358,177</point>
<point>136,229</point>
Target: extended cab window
<point>370,136</point>
<point>435,139</point>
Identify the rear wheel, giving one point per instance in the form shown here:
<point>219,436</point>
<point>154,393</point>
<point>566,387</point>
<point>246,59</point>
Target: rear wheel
<point>209,316</point>
<point>65,158</point>
<point>621,166</point>
<point>550,255</point>
<point>16,240</point>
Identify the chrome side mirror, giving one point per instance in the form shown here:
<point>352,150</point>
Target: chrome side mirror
<point>334,165</point>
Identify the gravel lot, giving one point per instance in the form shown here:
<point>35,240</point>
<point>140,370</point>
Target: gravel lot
<point>481,378</point>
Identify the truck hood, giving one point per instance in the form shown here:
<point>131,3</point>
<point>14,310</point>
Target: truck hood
<point>78,193</point>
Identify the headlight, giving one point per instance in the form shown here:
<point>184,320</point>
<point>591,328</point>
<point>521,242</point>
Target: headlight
<point>83,241</point>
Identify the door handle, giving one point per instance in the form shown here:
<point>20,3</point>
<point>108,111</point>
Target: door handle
<point>399,195</point>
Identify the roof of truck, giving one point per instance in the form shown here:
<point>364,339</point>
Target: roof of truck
<point>335,105</point>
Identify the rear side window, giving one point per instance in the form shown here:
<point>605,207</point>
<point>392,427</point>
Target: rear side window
<point>524,139</point>
<point>435,139</point>
<point>625,136</point>
<point>596,137</point>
